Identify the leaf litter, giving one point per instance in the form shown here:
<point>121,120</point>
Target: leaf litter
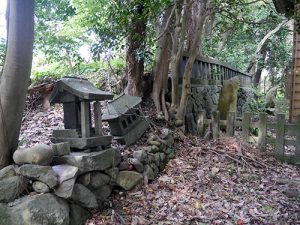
<point>222,181</point>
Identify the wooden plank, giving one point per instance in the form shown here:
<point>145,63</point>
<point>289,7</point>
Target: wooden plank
<point>280,133</point>
<point>98,119</point>
<point>297,145</point>
<point>200,123</point>
<point>262,132</point>
<point>230,124</point>
<point>85,120</point>
<point>216,124</point>
<point>246,126</point>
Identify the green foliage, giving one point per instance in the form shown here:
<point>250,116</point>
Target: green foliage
<point>245,25</point>
<point>257,104</point>
<point>2,50</point>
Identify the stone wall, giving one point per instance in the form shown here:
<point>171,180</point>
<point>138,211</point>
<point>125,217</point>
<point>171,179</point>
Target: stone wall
<point>53,186</point>
<point>206,97</point>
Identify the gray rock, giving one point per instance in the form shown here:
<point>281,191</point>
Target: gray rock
<point>140,155</point>
<point>162,157</point>
<point>83,196</point>
<point>124,165</point>
<point>137,165</point>
<point>78,215</point>
<point>44,209</point>
<point>39,154</point>
<point>98,179</point>
<point>169,150</point>
<point>40,187</point>
<point>102,193</point>
<point>8,171</point>
<point>61,148</point>
<point>84,179</point>
<point>129,179</point>
<point>87,162</point>
<point>65,189</point>
<point>66,179</point>
<point>11,188</point>
<point>155,169</point>
<point>44,174</point>
<point>157,158</point>
<point>113,173</point>
<point>154,149</point>
<point>149,173</point>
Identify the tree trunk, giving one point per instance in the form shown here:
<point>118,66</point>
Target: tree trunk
<point>186,82</point>
<point>134,58</point>
<point>160,83</point>
<point>15,78</point>
<point>177,49</point>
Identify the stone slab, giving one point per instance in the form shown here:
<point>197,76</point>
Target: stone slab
<point>85,143</point>
<point>65,133</point>
<point>92,161</point>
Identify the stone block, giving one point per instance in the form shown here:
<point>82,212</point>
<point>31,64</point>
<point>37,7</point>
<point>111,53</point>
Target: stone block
<point>137,165</point>
<point>66,133</point>
<point>61,148</point>
<point>149,173</point>
<point>140,155</point>
<point>102,193</point>
<point>92,161</point>
<point>85,143</point>
<point>98,179</point>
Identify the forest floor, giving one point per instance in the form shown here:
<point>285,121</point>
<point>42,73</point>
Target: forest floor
<point>222,181</point>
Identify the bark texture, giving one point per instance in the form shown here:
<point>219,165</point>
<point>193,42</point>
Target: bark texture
<point>15,78</point>
<point>134,58</point>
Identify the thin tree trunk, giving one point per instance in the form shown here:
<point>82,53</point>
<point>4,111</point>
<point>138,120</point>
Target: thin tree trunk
<point>160,83</point>
<point>177,49</point>
<point>135,61</point>
<point>261,44</point>
<point>186,82</point>
<point>15,78</point>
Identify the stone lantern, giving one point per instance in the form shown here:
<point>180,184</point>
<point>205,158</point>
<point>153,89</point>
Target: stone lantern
<point>77,95</point>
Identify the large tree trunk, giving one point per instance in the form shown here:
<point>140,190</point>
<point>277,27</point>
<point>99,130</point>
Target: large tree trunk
<point>160,83</point>
<point>186,82</point>
<point>135,60</point>
<point>15,78</point>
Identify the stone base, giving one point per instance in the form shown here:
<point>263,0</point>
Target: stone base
<point>134,134</point>
<point>84,143</point>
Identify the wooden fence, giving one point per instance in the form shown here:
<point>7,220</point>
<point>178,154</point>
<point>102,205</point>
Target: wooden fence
<point>286,134</point>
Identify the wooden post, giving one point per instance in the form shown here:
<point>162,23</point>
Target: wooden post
<point>262,132</point>
<point>280,133</point>
<point>215,124</point>
<point>200,123</point>
<point>85,120</point>
<point>297,152</point>
<point>246,126</point>
<point>98,119</point>
<point>230,124</point>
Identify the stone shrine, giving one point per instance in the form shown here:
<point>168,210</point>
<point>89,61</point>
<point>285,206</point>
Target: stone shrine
<point>126,119</point>
<point>77,95</point>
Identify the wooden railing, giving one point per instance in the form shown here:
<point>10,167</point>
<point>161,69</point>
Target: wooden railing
<point>210,71</point>
<point>278,134</point>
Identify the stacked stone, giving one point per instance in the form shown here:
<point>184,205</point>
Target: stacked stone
<point>57,186</point>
